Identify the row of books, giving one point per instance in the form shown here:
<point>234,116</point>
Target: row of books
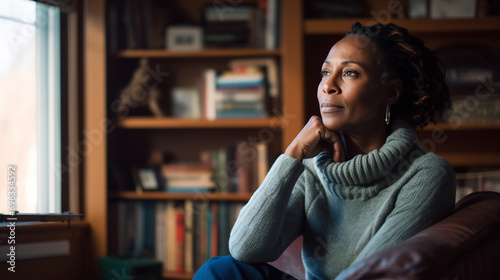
<point>136,24</point>
<point>477,180</point>
<point>182,235</point>
<point>240,168</point>
<point>474,109</point>
<point>241,25</point>
<point>249,89</point>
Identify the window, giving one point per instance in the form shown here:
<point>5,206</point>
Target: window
<point>30,110</point>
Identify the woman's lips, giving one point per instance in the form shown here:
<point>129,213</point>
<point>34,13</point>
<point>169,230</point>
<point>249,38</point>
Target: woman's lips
<point>329,107</point>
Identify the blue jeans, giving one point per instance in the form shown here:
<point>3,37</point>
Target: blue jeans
<point>228,268</point>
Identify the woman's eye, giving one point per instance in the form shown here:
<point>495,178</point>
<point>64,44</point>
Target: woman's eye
<point>351,73</point>
<point>324,73</point>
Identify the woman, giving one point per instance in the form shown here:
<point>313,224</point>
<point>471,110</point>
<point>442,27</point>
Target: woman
<point>355,180</point>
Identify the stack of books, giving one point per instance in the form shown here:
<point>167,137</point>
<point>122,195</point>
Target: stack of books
<point>240,94</point>
<point>187,177</point>
<point>234,94</point>
<point>231,26</point>
<point>241,25</point>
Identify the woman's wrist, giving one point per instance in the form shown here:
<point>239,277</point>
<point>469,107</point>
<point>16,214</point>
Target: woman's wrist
<point>293,152</point>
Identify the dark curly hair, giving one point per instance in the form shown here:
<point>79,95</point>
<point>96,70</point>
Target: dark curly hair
<point>401,56</point>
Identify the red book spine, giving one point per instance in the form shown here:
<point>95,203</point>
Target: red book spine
<point>179,238</point>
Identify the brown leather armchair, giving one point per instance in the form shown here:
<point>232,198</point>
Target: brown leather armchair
<point>463,246</point>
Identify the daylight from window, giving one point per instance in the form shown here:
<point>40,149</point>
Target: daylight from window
<point>29,106</point>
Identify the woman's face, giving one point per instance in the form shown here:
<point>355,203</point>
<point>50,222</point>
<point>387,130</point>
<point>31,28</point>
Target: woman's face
<point>350,95</point>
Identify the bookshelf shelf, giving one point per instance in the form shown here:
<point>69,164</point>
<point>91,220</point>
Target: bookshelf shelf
<point>175,123</point>
<point>472,159</point>
<point>341,26</point>
<point>157,195</point>
<point>177,276</point>
<point>463,127</point>
<point>195,54</point>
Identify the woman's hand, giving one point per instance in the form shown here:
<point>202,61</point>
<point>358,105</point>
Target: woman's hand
<point>315,138</point>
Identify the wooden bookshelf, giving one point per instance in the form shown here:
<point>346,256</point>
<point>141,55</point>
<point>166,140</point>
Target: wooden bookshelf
<point>171,123</point>
<point>158,195</point>
<point>302,49</point>
<point>205,53</point>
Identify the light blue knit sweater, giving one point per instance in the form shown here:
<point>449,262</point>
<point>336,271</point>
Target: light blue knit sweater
<point>346,211</point>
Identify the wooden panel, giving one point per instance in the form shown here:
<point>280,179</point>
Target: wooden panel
<point>95,132</point>
<point>292,69</point>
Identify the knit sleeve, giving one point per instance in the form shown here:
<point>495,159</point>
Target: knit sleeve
<point>428,197</point>
<point>273,217</point>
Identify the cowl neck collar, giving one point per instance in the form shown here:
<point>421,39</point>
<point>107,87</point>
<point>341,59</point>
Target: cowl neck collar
<point>361,177</point>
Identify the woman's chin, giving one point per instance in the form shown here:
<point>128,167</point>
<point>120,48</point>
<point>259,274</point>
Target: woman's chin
<point>332,124</point>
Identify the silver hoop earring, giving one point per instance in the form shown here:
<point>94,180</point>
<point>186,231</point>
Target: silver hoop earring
<point>387,115</point>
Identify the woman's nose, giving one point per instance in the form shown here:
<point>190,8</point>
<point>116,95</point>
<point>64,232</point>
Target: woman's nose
<point>330,86</point>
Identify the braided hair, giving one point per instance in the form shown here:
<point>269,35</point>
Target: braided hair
<point>401,56</point>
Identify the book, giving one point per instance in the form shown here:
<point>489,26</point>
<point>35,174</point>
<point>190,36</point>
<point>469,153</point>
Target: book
<point>208,94</point>
<point>223,231</point>
<point>179,240</point>
<point>189,236</point>
<point>214,230</point>
<point>149,218</point>
<point>170,237</point>
<point>218,159</point>
<point>160,232</point>
<point>202,233</point>
<point>272,25</point>
<point>187,177</point>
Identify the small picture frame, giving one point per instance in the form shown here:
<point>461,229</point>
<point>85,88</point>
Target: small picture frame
<point>186,103</point>
<point>184,38</point>
<point>146,179</point>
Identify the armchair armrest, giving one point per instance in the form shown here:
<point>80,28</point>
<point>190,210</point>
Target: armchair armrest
<point>442,250</point>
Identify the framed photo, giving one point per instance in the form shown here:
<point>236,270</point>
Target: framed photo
<point>146,179</point>
<point>184,38</point>
<point>186,103</point>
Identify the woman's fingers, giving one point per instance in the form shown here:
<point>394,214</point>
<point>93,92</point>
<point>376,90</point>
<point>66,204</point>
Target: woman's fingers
<point>335,141</point>
<point>313,139</point>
